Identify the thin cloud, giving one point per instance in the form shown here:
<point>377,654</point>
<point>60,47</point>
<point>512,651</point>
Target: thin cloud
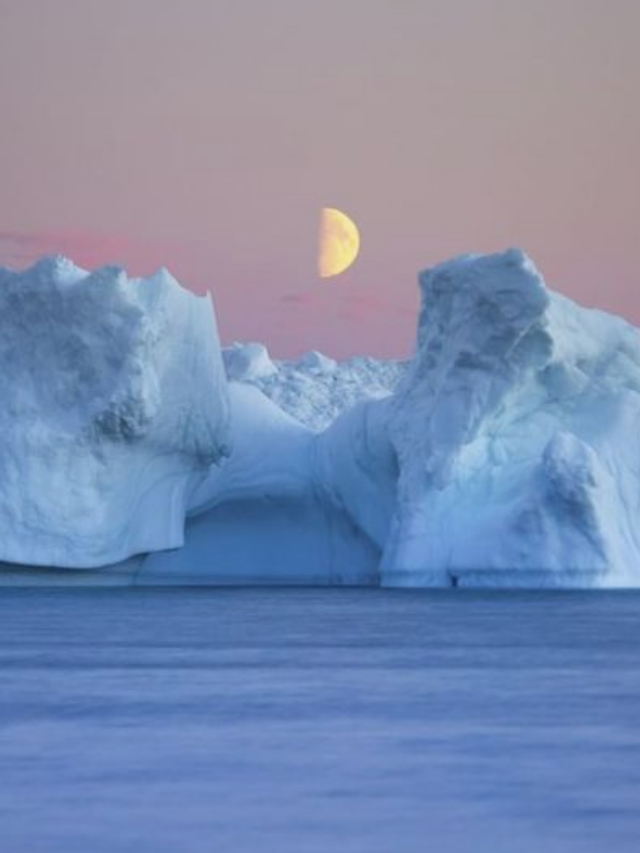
<point>16,248</point>
<point>361,306</point>
<point>355,307</point>
<point>297,298</point>
<point>86,249</point>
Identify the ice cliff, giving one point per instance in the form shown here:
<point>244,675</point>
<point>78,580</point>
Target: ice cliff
<point>114,406</point>
<point>504,454</point>
<point>516,433</point>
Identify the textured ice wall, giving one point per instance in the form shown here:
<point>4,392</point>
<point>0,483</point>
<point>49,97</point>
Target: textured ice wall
<point>517,436</point>
<point>114,406</point>
<point>313,389</point>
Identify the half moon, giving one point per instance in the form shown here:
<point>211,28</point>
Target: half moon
<point>338,242</point>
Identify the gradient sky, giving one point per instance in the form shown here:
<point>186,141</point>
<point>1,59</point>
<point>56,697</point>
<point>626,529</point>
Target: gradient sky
<point>205,136</point>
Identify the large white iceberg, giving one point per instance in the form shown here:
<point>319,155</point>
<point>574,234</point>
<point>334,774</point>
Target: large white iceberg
<point>114,407</point>
<point>516,432</point>
<point>506,453</point>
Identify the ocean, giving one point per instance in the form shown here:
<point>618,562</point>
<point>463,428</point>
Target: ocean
<point>333,720</point>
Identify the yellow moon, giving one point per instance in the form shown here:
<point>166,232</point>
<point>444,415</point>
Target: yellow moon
<point>338,243</point>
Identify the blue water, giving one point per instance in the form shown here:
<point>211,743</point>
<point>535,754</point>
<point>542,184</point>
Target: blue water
<point>289,721</point>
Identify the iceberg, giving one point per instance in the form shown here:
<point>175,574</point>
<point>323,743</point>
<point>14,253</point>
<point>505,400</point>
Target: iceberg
<point>114,408</point>
<point>503,454</point>
<point>314,389</point>
<point>516,432</point>
<point>260,519</point>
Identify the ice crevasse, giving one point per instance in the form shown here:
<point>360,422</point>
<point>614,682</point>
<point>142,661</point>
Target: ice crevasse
<point>504,453</point>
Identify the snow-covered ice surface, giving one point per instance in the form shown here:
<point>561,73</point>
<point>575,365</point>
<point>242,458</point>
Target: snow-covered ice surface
<point>314,389</point>
<point>319,721</point>
<point>506,453</point>
<point>517,432</point>
<point>114,406</point>
<point>259,518</point>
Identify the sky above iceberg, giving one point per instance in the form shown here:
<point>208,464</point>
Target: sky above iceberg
<point>206,135</point>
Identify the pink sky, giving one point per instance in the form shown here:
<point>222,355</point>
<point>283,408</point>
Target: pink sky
<point>206,135</point>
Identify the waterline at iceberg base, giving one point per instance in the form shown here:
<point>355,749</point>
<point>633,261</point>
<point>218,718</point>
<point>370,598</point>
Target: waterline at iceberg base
<point>134,450</point>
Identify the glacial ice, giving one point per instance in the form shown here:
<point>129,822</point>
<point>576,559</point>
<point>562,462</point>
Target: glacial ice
<point>259,518</point>
<point>314,389</point>
<point>114,406</point>
<point>505,453</point>
<point>516,431</point>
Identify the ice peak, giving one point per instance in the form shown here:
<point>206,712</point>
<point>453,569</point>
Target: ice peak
<point>56,268</point>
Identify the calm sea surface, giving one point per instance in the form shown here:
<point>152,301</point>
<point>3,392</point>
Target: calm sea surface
<point>288,721</point>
